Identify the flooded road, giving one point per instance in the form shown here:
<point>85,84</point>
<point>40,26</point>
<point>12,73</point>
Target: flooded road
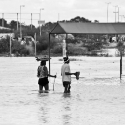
<point>97,98</point>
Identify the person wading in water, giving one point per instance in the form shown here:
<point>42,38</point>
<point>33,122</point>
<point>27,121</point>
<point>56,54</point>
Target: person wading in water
<point>66,75</point>
<point>42,74</point>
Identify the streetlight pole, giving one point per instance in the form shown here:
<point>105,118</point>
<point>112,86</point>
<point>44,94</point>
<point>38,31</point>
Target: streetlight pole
<point>115,13</point>
<point>2,19</point>
<point>40,20</point>
<point>35,43</point>
<point>107,10</point>
<point>121,17</point>
<point>20,21</point>
<point>10,45</point>
<point>17,21</point>
<point>118,14</point>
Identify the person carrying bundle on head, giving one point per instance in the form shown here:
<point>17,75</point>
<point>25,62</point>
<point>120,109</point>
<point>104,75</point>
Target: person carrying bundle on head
<point>42,74</point>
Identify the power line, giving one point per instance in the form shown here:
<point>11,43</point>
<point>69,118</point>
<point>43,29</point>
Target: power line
<point>21,13</point>
<point>16,17</point>
<point>21,18</point>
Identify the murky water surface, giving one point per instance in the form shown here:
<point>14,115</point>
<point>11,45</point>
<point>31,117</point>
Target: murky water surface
<point>97,98</point>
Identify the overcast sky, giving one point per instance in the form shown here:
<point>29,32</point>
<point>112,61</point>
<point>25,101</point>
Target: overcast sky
<point>55,10</point>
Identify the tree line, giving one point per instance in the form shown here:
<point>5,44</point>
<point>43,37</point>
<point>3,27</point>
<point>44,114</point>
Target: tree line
<point>42,41</point>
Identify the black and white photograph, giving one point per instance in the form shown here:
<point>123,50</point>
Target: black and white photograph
<point>62,62</point>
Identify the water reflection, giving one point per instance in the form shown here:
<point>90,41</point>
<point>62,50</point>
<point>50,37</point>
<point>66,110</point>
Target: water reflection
<point>67,95</point>
<point>66,119</point>
<point>66,107</point>
<point>43,110</point>
<point>43,114</point>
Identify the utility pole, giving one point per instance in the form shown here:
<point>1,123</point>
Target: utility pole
<point>2,19</point>
<point>35,43</point>
<point>40,20</point>
<point>121,17</point>
<point>31,20</point>
<point>10,44</point>
<point>17,21</point>
<point>18,18</point>
<point>118,14</point>
<point>124,18</point>
<point>20,21</point>
<point>115,12</point>
<point>107,10</point>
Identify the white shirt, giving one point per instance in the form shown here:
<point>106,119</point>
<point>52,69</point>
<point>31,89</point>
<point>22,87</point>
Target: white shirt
<point>65,68</point>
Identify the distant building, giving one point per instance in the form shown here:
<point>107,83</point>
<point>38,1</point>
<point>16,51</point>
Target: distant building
<point>4,28</point>
<point>4,35</point>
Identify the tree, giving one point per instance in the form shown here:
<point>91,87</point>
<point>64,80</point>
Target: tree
<point>96,21</point>
<point>121,47</point>
<point>42,44</point>
<point>79,19</point>
<point>4,45</point>
<point>13,24</point>
<point>4,21</point>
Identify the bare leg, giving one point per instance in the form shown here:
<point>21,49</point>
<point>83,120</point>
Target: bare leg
<point>46,88</point>
<point>40,88</point>
<point>66,88</point>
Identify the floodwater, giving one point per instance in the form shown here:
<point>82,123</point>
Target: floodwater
<point>97,98</point>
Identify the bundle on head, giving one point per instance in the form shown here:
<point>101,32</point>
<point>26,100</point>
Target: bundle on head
<point>43,58</point>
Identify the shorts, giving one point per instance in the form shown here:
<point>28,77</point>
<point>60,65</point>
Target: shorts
<point>66,83</point>
<point>43,81</point>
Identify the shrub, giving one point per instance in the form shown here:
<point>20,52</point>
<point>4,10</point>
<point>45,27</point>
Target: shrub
<point>57,49</point>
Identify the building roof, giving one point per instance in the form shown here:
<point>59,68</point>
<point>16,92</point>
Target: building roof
<point>88,28</point>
